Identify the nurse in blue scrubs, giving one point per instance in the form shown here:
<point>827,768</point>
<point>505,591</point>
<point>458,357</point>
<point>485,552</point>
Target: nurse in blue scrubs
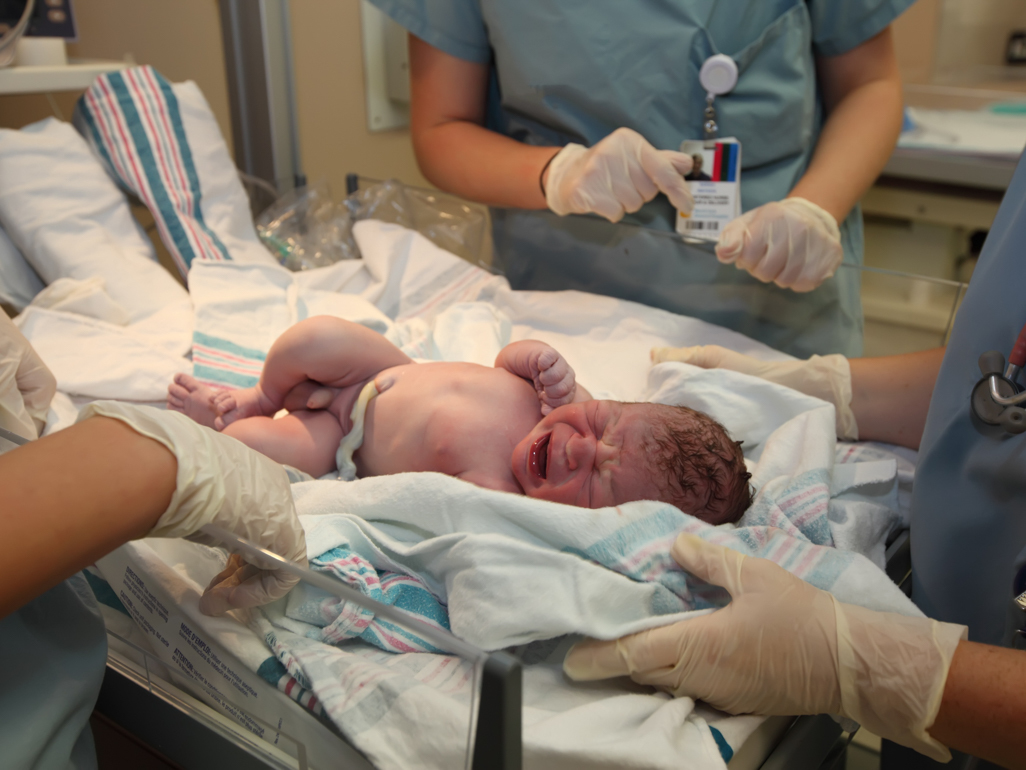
<point>781,646</point>
<point>552,108</point>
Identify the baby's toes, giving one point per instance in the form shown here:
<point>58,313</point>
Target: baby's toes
<point>186,381</point>
<point>177,392</point>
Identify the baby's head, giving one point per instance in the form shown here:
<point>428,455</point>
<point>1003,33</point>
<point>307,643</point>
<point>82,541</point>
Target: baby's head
<point>601,453</point>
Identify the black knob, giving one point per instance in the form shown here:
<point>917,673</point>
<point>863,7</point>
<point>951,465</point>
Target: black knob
<point>992,362</point>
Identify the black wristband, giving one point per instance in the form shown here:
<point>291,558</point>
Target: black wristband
<point>541,176</point>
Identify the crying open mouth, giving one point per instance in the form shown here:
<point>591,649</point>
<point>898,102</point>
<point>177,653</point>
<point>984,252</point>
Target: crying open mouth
<point>540,455</point>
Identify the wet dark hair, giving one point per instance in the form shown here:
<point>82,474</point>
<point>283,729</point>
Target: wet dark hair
<point>704,468</point>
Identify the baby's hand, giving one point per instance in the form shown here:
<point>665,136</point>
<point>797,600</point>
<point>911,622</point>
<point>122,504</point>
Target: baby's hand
<point>232,405</point>
<point>553,378</point>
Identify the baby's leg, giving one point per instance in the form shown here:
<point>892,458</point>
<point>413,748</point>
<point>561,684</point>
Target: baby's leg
<point>193,399</point>
<point>304,439</point>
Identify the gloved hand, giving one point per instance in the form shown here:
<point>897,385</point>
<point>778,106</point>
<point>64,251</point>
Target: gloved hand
<point>26,385</point>
<point>825,377</point>
<point>616,176</point>
<point>784,647</point>
<point>793,243</point>
<point>221,481</point>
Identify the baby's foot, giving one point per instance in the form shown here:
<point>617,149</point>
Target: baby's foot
<point>193,399</point>
<point>233,405</point>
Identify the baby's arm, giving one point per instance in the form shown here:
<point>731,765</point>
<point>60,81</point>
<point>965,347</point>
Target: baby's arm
<point>327,350</point>
<point>546,368</point>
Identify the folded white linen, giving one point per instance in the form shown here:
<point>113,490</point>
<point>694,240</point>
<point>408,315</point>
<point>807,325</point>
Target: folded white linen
<point>19,283</point>
<point>69,220</point>
<point>98,359</point>
<point>85,297</point>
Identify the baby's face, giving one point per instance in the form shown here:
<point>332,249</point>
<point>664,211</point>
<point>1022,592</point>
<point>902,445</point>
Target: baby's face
<point>590,454</point>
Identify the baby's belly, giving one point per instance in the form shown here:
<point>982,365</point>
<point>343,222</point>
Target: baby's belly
<point>446,418</point>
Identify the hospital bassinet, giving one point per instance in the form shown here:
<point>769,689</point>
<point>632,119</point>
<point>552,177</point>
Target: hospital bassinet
<point>141,695</point>
<point>192,734</point>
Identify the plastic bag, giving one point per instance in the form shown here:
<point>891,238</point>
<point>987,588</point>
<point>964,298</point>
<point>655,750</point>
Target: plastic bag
<point>445,220</point>
<point>305,228</point>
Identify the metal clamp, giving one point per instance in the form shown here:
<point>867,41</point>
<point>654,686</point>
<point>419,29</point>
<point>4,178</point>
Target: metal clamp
<point>996,397</point>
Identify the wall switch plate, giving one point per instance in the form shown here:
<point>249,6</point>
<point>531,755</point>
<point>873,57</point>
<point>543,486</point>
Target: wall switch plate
<point>385,69</point>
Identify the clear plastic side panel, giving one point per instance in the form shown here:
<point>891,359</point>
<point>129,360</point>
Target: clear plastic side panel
<point>906,313</point>
<point>862,310</point>
<point>401,710</point>
<point>538,250</point>
<point>299,677</point>
<point>6,444</point>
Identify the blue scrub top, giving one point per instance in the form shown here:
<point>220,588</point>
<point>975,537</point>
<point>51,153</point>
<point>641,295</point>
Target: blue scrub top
<point>54,650</point>
<point>969,499</point>
<point>575,70</point>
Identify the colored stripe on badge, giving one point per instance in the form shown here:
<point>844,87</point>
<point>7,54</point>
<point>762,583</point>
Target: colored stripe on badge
<point>731,174</point>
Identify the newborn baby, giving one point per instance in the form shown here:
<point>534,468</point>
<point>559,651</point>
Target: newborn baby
<point>358,403</point>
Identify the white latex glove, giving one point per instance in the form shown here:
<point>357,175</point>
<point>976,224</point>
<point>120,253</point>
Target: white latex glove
<point>784,647</point>
<point>793,243</point>
<point>26,385</point>
<point>221,481</point>
<point>616,176</point>
<point>825,377</point>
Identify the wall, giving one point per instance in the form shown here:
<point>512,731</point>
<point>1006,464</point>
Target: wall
<point>973,35</point>
<point>182,39</point>
<point>328,59</point>
<point>915,40</point>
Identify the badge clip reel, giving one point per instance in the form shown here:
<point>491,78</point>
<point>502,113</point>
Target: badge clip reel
<point>715,176</point>
<point>998,398</point>
<point>718,76</point>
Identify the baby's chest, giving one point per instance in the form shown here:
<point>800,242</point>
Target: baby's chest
<point>452,431</point>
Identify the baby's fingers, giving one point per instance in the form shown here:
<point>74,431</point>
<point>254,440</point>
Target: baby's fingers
<point>560,390</point>
<point>223,402</point>
<point>547,358</point>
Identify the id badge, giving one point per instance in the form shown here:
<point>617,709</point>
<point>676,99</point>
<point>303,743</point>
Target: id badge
<point>715,183</point>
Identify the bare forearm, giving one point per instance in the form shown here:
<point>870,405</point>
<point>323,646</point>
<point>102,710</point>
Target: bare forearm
<point>983,708</point>
<point>481,165</point>
<point>72,497</point>
<point>454,150</point>
<point>861,130</point>
<point>891,395</point>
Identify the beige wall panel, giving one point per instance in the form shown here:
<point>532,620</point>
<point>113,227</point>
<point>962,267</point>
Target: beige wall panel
<point>180,38</point>
<point>915,40</point>
<point>328,58</point>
